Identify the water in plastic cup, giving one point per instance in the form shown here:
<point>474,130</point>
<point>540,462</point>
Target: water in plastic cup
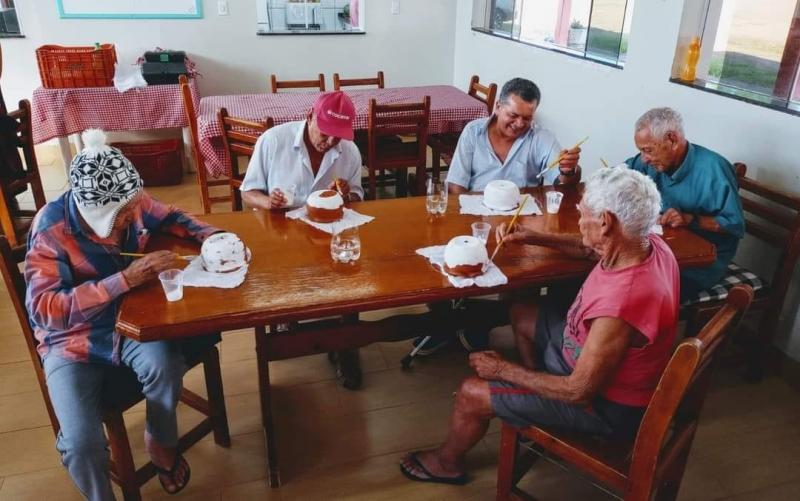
<point>436,200</point>
<point>480,230</point>
<point>288,193</point>
<point>346,246</point>
<point>554,201</point>
<point>172,282</point>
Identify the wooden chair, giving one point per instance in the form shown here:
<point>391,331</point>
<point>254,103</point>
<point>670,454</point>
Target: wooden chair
<point>338,83</point>
<point>15,222</point>
<point>126,392</point>
<point>443,146</point>
<point>773,217</point>
<point>203,182</point>
<point>239,137</point>
<point>407,119</point>
<point>652,464</point>
<point>276,84</point>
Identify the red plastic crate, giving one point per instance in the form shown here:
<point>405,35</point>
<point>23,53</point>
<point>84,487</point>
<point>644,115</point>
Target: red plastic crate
<point>159,163</point>
<point>62,67</point>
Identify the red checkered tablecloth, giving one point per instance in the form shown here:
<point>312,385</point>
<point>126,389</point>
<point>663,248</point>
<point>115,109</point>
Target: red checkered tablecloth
<point>451,109</point>
<point>61,112</point>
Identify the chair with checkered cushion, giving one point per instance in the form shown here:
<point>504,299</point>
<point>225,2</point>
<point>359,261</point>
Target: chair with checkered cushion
<point>773,217</point>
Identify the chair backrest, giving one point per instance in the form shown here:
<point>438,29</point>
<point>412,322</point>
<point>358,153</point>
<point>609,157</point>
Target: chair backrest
<point>406,119</point>
<point>10,259</point>
<point>483,93</point>
<point>276,84</point>
<point>671,418</point>
<point>10,188</point>
<point>239,137</point>
<point>777,223</point>
<point>338,83</point>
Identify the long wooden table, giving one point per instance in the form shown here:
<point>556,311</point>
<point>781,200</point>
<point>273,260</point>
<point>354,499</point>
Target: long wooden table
<point>292,278</point>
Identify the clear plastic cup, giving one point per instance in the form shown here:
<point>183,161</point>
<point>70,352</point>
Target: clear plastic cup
<point>436,200</point>
<point>554,201</point>
<point>288,193</point>
<point>480,230</point>
<point>346,246</point>
<point>172,282</point>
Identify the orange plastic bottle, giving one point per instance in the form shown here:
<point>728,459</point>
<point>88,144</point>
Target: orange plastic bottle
<point>692,57</point>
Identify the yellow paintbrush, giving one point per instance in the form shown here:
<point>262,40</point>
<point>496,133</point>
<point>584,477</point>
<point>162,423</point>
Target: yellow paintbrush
<point>136,254</point>
<point>513,220</point>
<point>555,162</point>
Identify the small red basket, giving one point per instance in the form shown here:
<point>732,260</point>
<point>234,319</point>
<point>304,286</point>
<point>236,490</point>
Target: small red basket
<point>159,163</point>
<point>62,67</point>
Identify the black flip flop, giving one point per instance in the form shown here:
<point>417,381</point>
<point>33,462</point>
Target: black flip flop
<point>179,459</point>
<point>459,480</point>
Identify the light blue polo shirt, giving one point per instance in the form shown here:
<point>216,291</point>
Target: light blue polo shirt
<point>475,163</point>
<point>704,185</point>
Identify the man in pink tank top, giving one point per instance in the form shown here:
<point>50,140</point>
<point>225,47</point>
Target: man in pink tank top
<point>589,362</point>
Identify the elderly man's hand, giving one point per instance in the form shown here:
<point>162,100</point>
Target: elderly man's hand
<point>514,233</point>
<point>277,199</point>
<point>148,267</point>
<point>675,219</point>
<point>569,161</point>
<point>487,364</point>
<point>342,186</point>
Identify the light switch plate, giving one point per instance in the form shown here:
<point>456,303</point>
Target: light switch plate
<point>395,7</point>
<point>222,7</point>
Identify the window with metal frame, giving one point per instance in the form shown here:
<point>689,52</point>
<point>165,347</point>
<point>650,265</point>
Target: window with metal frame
<point>746,49</point>
<point>9,24</point>
<point>592,29</point>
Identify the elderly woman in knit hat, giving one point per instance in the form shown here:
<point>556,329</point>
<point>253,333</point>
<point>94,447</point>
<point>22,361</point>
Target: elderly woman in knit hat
<point>76,276</point>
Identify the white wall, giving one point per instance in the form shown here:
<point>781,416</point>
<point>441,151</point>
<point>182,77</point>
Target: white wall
<point>584,98</point>
<point>413,48</point>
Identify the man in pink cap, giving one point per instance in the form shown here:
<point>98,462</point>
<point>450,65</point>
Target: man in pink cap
<point>294,159</point>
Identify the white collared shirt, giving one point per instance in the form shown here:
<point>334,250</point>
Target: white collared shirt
<point>280,158</point>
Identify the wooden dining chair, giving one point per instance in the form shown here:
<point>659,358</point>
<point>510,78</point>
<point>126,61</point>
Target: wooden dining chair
<point>276,84</point>
<point>205,184</point>
<point>773,217</point>
<point>15,222</point>
<point>443,146</point>
<point>409,120</point>
<point>239,137</point>
<point>125,392</point>
<point>651,465</point>
<point>338,82</point>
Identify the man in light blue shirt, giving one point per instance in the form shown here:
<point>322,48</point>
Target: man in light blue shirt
<point>698,190</point>
<point>508,145</point>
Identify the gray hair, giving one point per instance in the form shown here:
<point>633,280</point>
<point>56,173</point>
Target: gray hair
<point>525,89</point>
<point>660,121</point>
<point>629,195</point>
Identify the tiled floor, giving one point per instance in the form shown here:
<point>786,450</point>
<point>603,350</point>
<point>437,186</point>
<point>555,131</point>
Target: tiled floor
<point>337,444</point>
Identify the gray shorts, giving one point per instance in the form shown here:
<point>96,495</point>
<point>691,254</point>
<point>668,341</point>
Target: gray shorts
<point>521,407</point>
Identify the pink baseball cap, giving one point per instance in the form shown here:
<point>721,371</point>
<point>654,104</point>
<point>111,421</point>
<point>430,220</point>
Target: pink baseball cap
<point>335,114</point>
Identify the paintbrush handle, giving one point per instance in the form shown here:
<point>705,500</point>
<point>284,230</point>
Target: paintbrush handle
<point>138,254</point>
<point>510,225</point>
<point>557,160</point>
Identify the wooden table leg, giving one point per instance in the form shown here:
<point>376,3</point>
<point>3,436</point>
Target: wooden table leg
<point>264,388</point>
<point>66,152</point>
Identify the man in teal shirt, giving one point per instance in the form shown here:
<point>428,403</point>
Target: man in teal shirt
<point>698,190</point>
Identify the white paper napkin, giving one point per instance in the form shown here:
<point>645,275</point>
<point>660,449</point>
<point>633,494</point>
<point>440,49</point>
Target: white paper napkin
<point>473,204</point>
<point>490,278</point>
<point>195,276</point>
<point>351,219</point>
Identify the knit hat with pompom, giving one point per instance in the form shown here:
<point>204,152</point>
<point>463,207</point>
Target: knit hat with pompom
<point>103,181</point>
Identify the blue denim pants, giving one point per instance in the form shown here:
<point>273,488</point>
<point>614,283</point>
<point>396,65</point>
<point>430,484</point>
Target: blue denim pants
<point>76,389</point>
